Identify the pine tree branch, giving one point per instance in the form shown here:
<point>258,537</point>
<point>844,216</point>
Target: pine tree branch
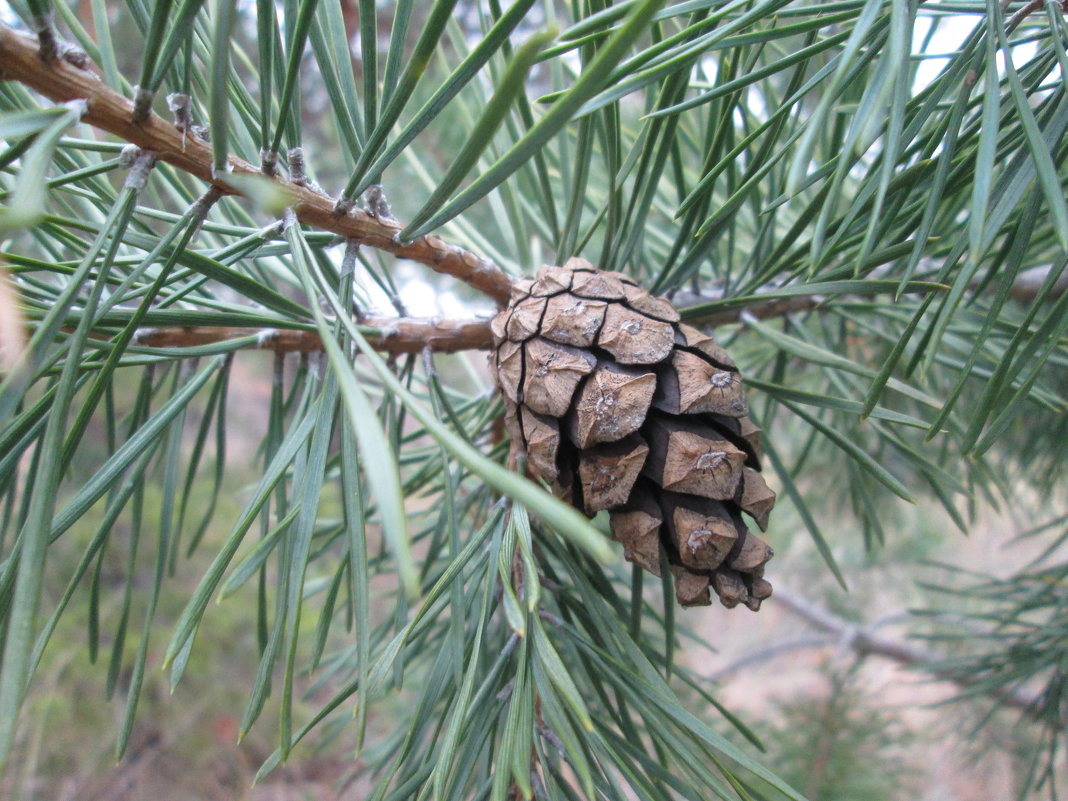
<point>411,334</point>
<point>406,334</point>
<point>69,78</point>
<point>391,334</point>
<point>1028,283</point>
<point>64,79</point>
<point>767,309</point>
<point>865,642</point>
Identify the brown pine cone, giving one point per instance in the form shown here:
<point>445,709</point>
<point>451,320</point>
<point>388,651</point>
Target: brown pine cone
<point>622,407</point>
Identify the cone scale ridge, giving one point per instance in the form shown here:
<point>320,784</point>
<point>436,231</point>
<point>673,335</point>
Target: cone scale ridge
<point>620,406</point>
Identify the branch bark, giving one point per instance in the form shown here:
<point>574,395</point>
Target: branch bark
<point>409,334</point>
<point>61,80</point>
<point>772,307</point>
<point>865,642</point>
<point>394,335</point>
<point>1028,283</point>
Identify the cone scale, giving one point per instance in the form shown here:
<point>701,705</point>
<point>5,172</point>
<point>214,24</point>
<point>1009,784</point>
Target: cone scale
<point>620,406</point>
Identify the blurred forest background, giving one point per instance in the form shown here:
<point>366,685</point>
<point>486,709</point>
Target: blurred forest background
<point>937,675</point>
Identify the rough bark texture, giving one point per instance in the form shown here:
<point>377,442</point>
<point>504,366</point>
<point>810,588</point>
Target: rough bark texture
<point>62,81</point>
<point>621,407</point>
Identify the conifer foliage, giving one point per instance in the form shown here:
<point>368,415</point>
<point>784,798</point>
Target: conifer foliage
<point>215,217</point>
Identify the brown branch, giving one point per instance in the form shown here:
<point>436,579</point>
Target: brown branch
<point>773,307</point>
<point>67,78</point>
<point>395,335</point>
<point>865,642</point>
<point>409,334</point>
<point>61,80</point>
<point>1025,288</point>
<point>400,334</point>
<point>1025,12</point>
<point>1029,283</point>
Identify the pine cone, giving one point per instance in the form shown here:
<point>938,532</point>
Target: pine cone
<point>622,407</point>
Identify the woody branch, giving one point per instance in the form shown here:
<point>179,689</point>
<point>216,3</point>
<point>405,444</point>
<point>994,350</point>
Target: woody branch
<point>64,79</point>
<point>866,642</point>
<point>391,334</point>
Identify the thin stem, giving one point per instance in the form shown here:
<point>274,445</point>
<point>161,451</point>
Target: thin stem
<point>391,334</point>
<point>411,334</point>
<point>864,641</point>
<point>63,81</point>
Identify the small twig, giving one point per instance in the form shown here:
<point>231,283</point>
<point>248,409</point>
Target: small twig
<point>1025,288</point>
<point>64,79</point>
<point>1029,282</point>
<point>1022,14</point>
<point>408,334</point>
<point>61,81</point>
<point>394,335</point>
<point>865,642</point>
<point>761,656</point>
<point>773,307</point>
